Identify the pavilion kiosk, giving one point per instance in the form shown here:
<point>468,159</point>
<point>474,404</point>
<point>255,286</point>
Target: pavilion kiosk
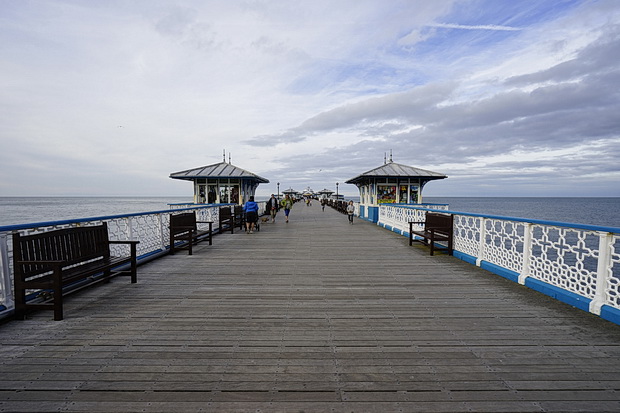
<point>221,183</point>
<point>325,193</point>
<point>391,183</point>
<point>291,193</point>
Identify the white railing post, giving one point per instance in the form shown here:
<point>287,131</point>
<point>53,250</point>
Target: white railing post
<point>603,272</point>
<point>483,234</point>
<point>7,290</point>
<point>527,253</point>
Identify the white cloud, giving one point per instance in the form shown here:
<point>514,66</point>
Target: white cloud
<point>291,89</point>
<point>475,27</point>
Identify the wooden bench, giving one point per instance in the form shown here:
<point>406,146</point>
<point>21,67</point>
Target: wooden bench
<point>239,216</point>
<point>437,228</point>
<point>227,219</point>
<point>64,261</point>
<point>184,231</point>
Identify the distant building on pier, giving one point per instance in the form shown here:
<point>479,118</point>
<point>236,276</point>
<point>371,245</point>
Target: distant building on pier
<point>325,193</point>
<point>391,183</point>
<point>291,193</point>
<point>221,183</point>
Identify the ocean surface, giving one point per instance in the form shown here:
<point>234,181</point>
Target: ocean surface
<point>591,211</point>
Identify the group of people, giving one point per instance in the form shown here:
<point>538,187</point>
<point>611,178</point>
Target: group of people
<point>251,211</point>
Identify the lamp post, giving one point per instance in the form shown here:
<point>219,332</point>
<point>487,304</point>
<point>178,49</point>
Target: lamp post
<point>278,190</point>
<point>336,191</point>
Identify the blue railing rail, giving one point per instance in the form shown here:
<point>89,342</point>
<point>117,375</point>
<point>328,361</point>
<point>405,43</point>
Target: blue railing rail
<point>576,263</point>
<point>150,228</point>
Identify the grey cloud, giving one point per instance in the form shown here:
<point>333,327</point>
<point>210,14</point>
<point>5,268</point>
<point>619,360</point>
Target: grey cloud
<point>410,105</point>
<point>595,59</point>
<point>184,25</point>
<point>290,136</point>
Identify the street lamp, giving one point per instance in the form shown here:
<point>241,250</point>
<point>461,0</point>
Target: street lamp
<point>336,190</point>
<point>278,190</point>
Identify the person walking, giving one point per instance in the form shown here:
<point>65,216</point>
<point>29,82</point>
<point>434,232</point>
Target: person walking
<point>272,207</point>
<point>287,204</point>
<point>350,211</point>
<point>251,215</point>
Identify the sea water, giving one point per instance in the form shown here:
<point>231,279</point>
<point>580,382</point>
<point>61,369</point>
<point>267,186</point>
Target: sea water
<point>24,210</point>
<point>591,211</point>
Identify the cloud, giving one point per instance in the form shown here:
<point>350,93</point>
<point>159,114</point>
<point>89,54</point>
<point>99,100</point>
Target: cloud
<point>307,93</point>
<point>476,27</point>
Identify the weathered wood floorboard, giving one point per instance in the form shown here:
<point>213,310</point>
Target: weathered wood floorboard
<point>316,315</point>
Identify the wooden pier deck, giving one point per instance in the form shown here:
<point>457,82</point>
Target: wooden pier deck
<point>316,316</point>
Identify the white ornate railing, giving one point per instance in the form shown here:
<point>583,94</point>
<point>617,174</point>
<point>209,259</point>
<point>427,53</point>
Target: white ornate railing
<point>397,217</point>
<point>150,228</point>
<point>578,264</point>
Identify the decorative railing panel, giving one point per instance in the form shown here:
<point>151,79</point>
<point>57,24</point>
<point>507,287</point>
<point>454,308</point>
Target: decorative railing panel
<point>503,243</point>
<point>566,258</point>
<point>467,234</point>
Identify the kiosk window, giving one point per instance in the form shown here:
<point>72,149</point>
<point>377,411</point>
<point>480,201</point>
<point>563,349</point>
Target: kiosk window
<point>413,194</point>
<point>386,194</point>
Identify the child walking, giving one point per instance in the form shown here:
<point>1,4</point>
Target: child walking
<point>350,211</point>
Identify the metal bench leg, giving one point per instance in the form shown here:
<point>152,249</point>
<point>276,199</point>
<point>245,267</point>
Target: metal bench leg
<point>57,287</point>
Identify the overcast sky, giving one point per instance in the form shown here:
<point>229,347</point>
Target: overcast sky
<point>507,98</point>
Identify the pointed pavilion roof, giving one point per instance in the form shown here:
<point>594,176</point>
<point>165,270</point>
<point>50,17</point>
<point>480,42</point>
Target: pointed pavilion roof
<point>218,170</point>
<point>396,170</point>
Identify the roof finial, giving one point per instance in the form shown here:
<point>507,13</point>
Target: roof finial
<point>224,156</point>
<point>391,156</point>
<point>229,158</point>
<point>384,158</point>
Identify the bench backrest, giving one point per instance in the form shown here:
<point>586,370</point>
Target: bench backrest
<point>69,245</point>
<point>225,213</point>
<point>180,222</point>
<point>442,223</point>
<point>238,214</point>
